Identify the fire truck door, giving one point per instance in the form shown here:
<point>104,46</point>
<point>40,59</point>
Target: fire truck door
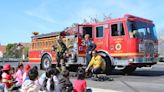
<point>101,38</point>
<point>117,39</point>
<point>81,41</point>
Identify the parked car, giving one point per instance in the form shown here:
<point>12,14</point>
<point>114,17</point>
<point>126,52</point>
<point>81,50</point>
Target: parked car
<point>161,59</point>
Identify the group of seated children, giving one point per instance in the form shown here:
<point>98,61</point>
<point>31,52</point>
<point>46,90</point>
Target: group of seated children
<point>27,80</point>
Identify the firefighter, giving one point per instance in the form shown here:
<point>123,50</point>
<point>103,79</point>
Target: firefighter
<point>96,65</point>
<point>60,49</point>
<point>90,46</point>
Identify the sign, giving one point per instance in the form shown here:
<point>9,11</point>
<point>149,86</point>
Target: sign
<point>118,46</point>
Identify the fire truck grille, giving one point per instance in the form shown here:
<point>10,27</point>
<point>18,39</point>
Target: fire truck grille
<point>149,48</point>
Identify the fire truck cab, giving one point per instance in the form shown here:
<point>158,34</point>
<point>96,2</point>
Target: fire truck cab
<point>124,43</point>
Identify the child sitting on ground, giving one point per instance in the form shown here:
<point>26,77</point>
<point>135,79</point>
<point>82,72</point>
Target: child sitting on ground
<point>29,85</point>
<point>80,84</point>
<point>51,82</point>
<point>7,78</point>
<point>66,85</point>
<point>19,74</point>
<point>35,67</point>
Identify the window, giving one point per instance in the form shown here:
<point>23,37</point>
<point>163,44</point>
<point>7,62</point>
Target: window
<point>87,30</point>
<point>114,30</point>
<point>139,29</point>
<point>99,31</point>
<point>117,29</point>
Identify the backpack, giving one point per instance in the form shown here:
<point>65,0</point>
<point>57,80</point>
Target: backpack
<point>66,85</point>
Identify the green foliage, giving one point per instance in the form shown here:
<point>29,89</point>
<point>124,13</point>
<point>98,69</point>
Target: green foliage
<point>9,50</point>
<point>12,51</point>
<point>9,46</point>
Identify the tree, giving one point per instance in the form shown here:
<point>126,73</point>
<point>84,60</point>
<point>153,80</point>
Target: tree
<point>14,51</point>
<point>9,50</point>
<point>9,46</point>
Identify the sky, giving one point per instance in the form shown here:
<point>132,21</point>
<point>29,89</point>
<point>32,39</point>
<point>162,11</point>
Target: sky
<point>19,18</point>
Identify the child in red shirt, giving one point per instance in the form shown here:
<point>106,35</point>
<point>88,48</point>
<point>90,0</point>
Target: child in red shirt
<point>80,84</point>
<point>7,78</point>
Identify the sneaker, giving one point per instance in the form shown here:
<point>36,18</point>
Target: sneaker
<point>110,79</point>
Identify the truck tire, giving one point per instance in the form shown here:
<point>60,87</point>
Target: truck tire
<point>108,66</point>
<point>128,69</point>
<point>46,62</point>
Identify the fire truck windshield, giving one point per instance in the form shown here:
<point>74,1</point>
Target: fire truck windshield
<point>143,30</point>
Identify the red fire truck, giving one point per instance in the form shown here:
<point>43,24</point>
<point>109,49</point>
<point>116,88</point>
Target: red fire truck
<point>124,43</point>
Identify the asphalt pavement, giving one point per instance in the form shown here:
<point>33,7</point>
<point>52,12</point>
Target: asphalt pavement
<point>142,80</point>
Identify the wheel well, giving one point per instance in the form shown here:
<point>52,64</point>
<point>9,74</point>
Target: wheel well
<point>105,54</point>
<point>45,55</point>
<point>108,63</point>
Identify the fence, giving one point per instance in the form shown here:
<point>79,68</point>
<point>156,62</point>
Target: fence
<point>13,60</point>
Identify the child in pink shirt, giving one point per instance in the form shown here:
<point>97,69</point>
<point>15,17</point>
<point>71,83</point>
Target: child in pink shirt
<point>19,74</point>
<point>80,84</point>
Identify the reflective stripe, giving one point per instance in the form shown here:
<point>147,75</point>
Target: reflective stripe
<point>6,80</point>
<point>126,54</point>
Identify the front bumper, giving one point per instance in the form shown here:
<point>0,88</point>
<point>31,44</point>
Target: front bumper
<point>138,61</point>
